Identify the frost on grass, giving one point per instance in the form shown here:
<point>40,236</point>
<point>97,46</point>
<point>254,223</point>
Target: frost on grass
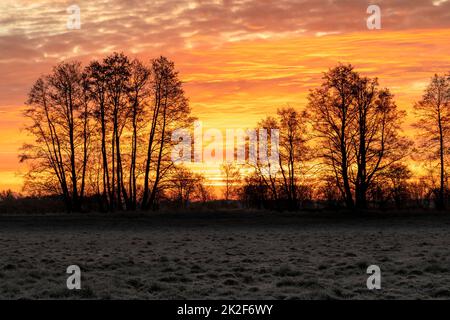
<point>295,259</point>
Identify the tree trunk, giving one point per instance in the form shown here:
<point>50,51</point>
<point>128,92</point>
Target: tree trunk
<point>441,202</point>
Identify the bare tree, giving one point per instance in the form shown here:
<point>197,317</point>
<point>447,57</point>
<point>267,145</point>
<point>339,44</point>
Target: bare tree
<point>82,122</point>
<point>434,124</point>
<point>184,185</point>
<point>96,75</point>
<point>283,180</point>
<point>357,126</point>
<point>139,95</point>
<point>170,110</point>
<point>378,145</point>
<point>58,112</point>
<point>332,110</point>
<point>231,177</point>
<point>255,192</point>
<point>204,192</point>
<point>117,70</point>
<point>268,176</point>
<point>397,177</point>
<point>293,152</point>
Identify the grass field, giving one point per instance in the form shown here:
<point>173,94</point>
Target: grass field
<point>224,255</point>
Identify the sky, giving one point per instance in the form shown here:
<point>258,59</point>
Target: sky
<point>239,60</point>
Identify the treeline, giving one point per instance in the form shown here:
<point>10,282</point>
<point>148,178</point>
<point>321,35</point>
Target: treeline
<point>347,149</point>
<point>103,134</point>
<point>104,131</point>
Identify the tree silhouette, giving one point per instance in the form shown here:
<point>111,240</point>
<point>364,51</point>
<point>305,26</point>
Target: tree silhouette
<point>170,110</point>
<point>433,111</point>
<point>104,133</point>
<point>58,112</point>
<point>185,185</point>
<point>139,94</point>
<point>108,126</point>
<point>231,177</point>
<point>281,183</point>
<point>357,127</point>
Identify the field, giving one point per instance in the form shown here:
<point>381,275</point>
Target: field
<point>225,255</point>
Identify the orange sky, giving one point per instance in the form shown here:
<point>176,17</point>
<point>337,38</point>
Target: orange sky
<point>240,60</point>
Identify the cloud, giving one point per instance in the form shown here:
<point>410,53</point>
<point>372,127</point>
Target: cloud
<point>33,35</point>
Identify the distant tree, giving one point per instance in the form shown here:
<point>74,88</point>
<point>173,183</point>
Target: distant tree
<point>8,195</point>
<point>58,112</point>
<point>284,181</point>
<point>433,111</point>
<point>184,185</point>
<point>204,192</point>
<point>232,178</point>
<point>329,192</point>
<point>255,192</point>
<point>264,169</point>
<point>396,180</point>
<point>294,153</point>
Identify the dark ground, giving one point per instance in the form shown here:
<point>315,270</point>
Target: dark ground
<point>230,255</point>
